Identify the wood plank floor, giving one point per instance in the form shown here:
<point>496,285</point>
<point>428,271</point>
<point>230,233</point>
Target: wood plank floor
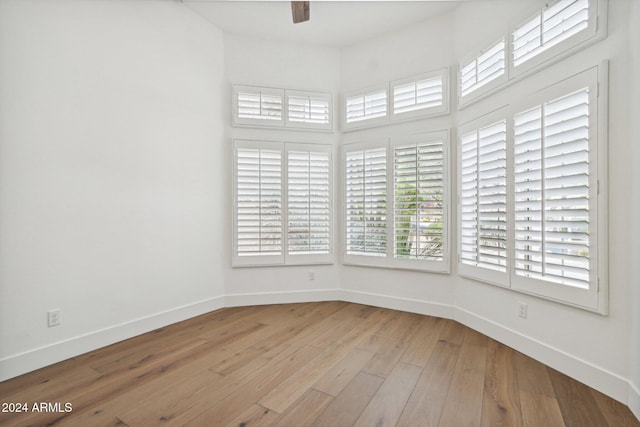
<point>325,364</point>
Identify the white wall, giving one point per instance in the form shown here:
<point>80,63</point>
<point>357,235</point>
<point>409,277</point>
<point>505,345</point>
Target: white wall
<point>111,171</point>
<point>251,61</point>
<point>634,111</point>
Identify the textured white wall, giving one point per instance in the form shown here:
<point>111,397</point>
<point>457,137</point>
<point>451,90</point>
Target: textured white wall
<point>111,171</point>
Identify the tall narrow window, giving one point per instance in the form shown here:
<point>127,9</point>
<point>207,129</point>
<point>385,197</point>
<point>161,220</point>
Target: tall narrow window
<point>483,199</point>
<point>308,201</point>
<point>366,202</point>
<point>419,200</point>
<point>552,191</point>
<point>258,202</point>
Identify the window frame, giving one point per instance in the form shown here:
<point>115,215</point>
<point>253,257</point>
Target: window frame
<point>389,260</point>
<point>364,123</point>
<point>492,85</point>
<point>595,298</point>
<point>284,122</point>
<point>254,122</point>
<point>596,30</point>
<point>308,126</point>
<point>284,259</point>
<point>443,73</point>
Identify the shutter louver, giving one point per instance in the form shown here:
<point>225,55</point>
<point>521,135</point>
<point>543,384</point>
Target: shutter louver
<point>308,109</point>
<point>258,202</point>
<point>552,191</point>
<point>308,202</point>
<point>417,95</point>
<point>259,105</point>
<point>555,24</point>
<point>487,67</point>
<point>418,201</point>
<point>368,106</point>
<point>483,197</point>
<point>366,205</point>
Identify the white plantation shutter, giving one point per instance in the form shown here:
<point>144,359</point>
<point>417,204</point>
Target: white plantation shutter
<point>552,202</point>
<point>258,216</point>
<point>418,95</point>
<point>255,105</point>
<point>483,197</point>
<point>419,200</point>
<point>486,67</point>
<point>366,201</point>
<point>308,201</point>
<point>366,106</point>
<point>556,23</point>
<point>309,110</point>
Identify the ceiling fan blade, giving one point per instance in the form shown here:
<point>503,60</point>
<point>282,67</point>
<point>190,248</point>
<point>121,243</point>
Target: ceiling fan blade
<point>300,11</point>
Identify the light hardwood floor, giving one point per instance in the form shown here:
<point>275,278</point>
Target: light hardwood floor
<point>315,364</point>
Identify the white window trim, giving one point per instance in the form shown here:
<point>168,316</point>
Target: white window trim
<point>309,126</point>
<point>443,73</point>
<point>493,85</point>
<point>365,123</point>
<point>388,261</point>
<point>596,297</point>
<point>595,31</point>
<point>284,122</point>
<point>284,259</point>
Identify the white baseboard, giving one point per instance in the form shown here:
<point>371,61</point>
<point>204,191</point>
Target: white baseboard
<point>634,399</point>
<point>31,360</point>
<point>396,303</point>
<point>284,297</point>
<point>600,379</point>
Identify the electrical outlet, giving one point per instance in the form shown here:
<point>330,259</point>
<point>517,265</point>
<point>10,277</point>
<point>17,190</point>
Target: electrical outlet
<point>53,317</point>
<point>522,310</point>
<point>312,275</point>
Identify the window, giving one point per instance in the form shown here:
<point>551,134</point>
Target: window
<point>272,107</point>
<point>366,201</point>
<point>420,95</point>
<point>483,200</point>
<point>557,28</point>
<point>308,202</point>
<point>308,109</point>
<point>396,202</point>
<point>282,203</point>
<point>258,106</point>
<point>531,214</point>
<point>487,67</point>
<point>369,105</point>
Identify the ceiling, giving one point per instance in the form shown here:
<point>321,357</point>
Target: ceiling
<point>333,23</point>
